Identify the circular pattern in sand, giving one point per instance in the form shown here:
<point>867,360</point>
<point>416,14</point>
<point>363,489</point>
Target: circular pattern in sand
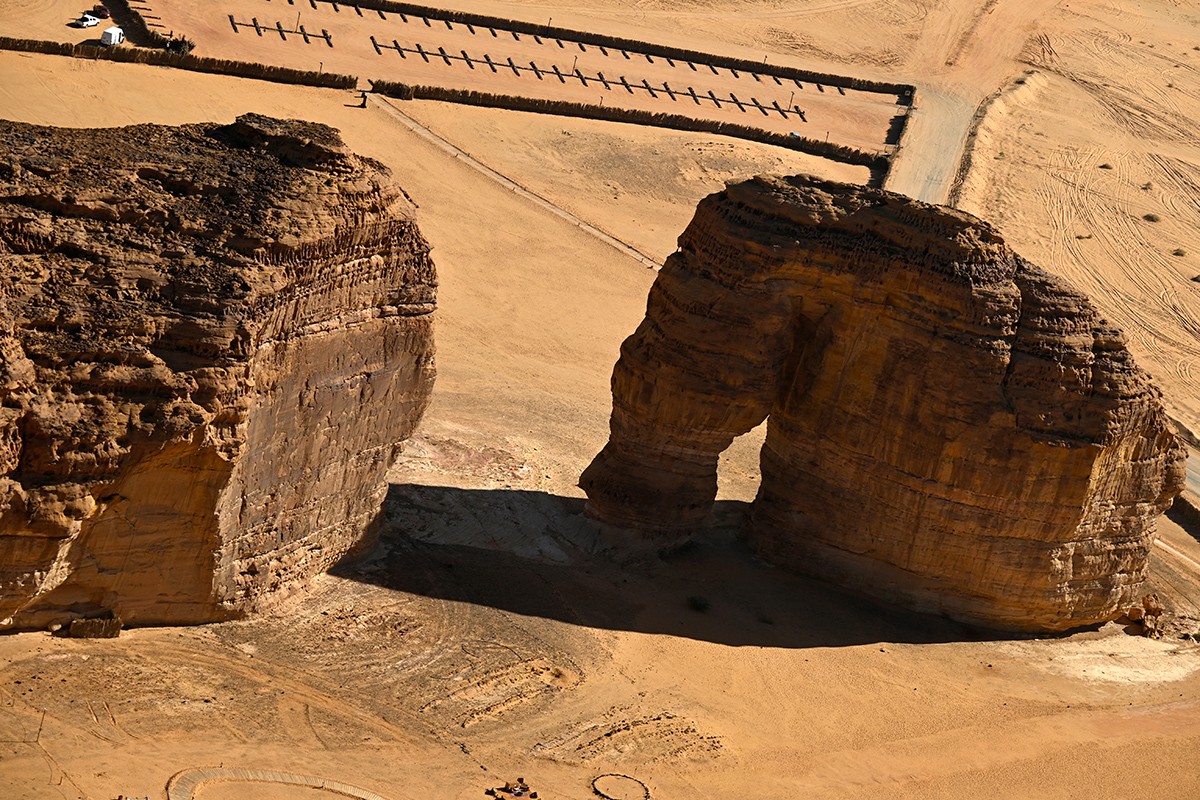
<point>614,786</point>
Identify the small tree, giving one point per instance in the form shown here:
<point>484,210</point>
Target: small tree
<point>181,46</point>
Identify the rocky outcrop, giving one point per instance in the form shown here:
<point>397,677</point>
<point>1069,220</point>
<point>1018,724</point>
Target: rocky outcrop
<point>214,339</point>
<point>950,427</point>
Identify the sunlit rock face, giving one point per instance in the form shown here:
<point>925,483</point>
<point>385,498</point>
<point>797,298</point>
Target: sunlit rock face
<point>950,427</point>
<point>214,339</point>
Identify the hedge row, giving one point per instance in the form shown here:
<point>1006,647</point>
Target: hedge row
<point>901,90</point>
<point>135,27</point>
<point>835,152</point>
<point>162,58</point>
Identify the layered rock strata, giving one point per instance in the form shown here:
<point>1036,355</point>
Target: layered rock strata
<point>950,427</point>
<point>214,339</point>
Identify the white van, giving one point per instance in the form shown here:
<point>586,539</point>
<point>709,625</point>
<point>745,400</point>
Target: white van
<point>112,36</point>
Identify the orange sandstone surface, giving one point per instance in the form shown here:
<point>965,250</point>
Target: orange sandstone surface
<point>949,426</point>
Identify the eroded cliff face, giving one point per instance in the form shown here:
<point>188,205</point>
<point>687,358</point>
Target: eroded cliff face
<point>950,427</point>
<point>214,340</point>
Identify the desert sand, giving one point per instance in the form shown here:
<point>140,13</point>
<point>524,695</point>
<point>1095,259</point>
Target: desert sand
<point>491,635</point>
<point>418,50</point>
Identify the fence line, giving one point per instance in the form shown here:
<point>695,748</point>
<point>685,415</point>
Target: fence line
<point>164,58</point>
<point>835,152</point>
<point>902,90</point>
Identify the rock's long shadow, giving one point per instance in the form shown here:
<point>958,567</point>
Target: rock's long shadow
<point>535,554</point>
<point>1186,515</point>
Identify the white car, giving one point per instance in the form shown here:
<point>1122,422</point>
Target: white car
<point>87,21</point>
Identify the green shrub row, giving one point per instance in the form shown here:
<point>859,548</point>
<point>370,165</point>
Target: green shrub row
<point>135,27</point>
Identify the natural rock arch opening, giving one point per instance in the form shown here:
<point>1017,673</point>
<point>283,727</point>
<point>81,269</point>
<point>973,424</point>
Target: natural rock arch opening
<point>949,426</point>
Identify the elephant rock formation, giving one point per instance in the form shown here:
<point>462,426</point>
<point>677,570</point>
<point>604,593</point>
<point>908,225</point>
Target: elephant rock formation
<point>214,339</point>
<point>950,427</point>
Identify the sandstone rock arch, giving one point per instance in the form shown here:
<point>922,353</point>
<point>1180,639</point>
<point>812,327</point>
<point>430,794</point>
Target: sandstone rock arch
<point>949,425</point>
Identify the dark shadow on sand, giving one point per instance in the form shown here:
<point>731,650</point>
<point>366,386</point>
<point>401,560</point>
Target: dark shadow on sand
<point>1186,514</point>
<point>535,554</point>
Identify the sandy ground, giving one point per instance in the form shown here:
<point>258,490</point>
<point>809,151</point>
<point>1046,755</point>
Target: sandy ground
<point>1091,166</point>
<point>435,52</point>
<point>493,634</point>
<point>52,21</point>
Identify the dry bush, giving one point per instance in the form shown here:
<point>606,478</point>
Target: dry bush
<point>135,26</point>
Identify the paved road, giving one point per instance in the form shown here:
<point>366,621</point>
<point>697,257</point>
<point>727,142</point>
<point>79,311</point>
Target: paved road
<point>932,147</point>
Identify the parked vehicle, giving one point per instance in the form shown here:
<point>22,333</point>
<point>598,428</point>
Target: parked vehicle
<point>112,36</point>
<point>87,21</point>
<point>100,12</point>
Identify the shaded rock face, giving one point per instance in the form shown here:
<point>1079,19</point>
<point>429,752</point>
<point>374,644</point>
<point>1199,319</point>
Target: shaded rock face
<point>214,339</point>
<point>950,427</point>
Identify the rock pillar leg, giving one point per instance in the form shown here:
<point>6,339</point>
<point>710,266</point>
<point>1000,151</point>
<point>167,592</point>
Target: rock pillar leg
<point>701,369</point>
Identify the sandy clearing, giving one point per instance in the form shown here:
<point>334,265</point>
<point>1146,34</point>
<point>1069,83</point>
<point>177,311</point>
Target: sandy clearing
<point>646,187</point>
<point>1111,657</point>
<point>511,185</point>
<point>51,20</point>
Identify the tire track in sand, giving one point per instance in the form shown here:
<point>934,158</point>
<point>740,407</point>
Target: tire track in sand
<point>511,185</point>
<point>184,785</point>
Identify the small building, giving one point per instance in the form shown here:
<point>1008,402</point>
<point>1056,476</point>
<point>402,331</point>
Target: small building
<point>112,36</point>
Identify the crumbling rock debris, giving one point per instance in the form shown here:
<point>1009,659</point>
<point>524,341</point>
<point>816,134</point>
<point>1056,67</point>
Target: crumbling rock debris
<point>95,628</point>
<point>1145,619</point>
<point>950,427</point>
<point>213,340</point>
